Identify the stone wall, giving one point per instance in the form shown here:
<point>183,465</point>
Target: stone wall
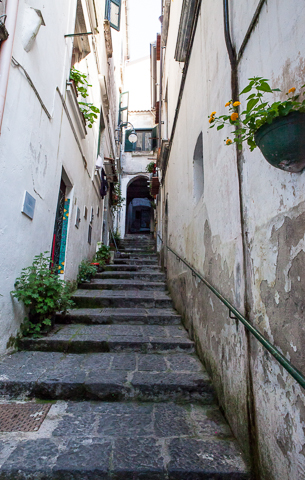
<point>245,234</point>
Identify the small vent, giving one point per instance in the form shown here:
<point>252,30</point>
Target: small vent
<point>23,417</point>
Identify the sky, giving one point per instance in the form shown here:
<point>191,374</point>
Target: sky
<point>144,25</point>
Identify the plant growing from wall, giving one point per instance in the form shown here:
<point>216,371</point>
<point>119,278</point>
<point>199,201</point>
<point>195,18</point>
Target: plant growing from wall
<point>43,293</point>
<point>89,111</point>
<point>257,113</point>
<point>150,167</point>
<point>86,271</point>
<point>117,198</point>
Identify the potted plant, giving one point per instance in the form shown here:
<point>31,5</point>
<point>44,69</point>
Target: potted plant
<point>102,255</point>
<point>150,167</point>
<point>277,128</point>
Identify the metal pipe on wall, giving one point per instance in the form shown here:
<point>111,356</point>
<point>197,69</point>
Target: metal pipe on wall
<point>6,51</point>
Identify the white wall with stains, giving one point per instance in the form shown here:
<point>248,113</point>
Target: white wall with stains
<point>262,208</point>
<point>34,150</point>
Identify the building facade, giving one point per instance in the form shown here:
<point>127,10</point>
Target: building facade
<point>234,218</point>
<point>53,158</point>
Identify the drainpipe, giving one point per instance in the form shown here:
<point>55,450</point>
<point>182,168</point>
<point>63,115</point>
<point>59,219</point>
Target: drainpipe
<point>160,81</point>
<point>252,422</point>
<point>6,51</point>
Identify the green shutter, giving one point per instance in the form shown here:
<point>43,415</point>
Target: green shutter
<point>123,109</point>
<point>113,13</point>
<point>129,147</point>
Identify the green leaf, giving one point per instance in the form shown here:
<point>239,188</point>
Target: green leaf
<point>265,87</point>
<point>251,104</point>
<point>247,89</point>
<point>220,127</point>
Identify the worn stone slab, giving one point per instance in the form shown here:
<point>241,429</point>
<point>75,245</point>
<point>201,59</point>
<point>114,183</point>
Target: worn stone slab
<point>138,275</point>
<point>123,284</point>
<point>111,376</point>
<point>132,268</point>
<point>110,338</point>
<point>120,316</point>
<point>122,299</point>
<point>106,440</point>
<point>136,261</point>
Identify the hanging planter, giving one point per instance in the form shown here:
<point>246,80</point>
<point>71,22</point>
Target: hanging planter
<point>283,142</point>
<point>155,186</point>
<point>278,129</point>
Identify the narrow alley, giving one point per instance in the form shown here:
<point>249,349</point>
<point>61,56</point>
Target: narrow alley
<point>152,240</point>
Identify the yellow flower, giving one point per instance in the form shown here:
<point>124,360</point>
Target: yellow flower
<point>235,104</point>
<point>227,104</point>
<point>291,90</point>
<point>228,142</point>
<point>211,119</point>
<point>234,116</point>
<point>213,113</point>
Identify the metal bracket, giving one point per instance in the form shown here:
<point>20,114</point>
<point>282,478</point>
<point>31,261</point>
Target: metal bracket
<point>232,316</point>
<point>78,34</point>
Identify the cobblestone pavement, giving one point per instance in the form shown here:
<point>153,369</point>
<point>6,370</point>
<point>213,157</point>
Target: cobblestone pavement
<point>129,397</point>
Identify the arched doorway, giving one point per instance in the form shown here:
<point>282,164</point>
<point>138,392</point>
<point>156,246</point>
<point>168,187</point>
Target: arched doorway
<point>139,213</point>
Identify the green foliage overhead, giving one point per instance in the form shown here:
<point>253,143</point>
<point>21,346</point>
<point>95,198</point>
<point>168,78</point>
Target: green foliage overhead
<point>89,111</point>
<point>257,111</point>
<point>43,293</point>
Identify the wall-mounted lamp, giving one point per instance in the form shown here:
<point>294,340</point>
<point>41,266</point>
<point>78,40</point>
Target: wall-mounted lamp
<point>132,137</point>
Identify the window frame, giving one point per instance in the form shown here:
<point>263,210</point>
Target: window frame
<point>118,4</point>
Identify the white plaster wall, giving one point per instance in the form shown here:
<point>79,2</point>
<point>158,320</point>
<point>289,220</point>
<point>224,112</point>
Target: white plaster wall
<point>33,151</point>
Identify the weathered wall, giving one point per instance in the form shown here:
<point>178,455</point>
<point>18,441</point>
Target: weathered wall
<point>208,232</point>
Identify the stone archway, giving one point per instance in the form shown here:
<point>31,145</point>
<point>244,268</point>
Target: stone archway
<point>139,212</point>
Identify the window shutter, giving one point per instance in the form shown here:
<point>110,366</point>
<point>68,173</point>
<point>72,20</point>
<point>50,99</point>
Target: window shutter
<point>157,113</point>
<point>123,109</point>
<point>113,13</point>
<point>158,47</point>
<point>129,147</point>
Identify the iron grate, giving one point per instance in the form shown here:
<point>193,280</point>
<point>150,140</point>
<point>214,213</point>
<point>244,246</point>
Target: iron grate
<point>22,417</point>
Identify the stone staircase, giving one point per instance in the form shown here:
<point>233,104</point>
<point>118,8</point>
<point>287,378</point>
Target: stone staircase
<point>131,400</point>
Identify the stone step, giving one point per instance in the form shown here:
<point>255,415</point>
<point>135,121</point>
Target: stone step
<point>136,275</point>
<point>127,249</point>
<point>136,255</point>
<point>135,261</point>
<point>105,376</point>
<point>78,338</point>
<point>106,440</point>
<point>131,268</point>
<point>121,299</point>
<point>119,284</point>
<point>132,316</point>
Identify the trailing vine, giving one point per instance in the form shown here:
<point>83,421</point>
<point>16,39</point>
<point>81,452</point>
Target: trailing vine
<point>89,111</point>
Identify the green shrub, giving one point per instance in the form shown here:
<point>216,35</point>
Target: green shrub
<point>43,293</point>
<point>103,254</point>
<point>86,271</point>
<point>150,167</point>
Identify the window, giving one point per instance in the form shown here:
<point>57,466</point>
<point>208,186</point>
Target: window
<point>198,173</point>
<point>143,144</point>
<point>113,13</point>
<point>144,141</point>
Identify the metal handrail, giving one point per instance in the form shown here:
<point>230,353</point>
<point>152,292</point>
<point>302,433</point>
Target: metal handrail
<point>294,372</point>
